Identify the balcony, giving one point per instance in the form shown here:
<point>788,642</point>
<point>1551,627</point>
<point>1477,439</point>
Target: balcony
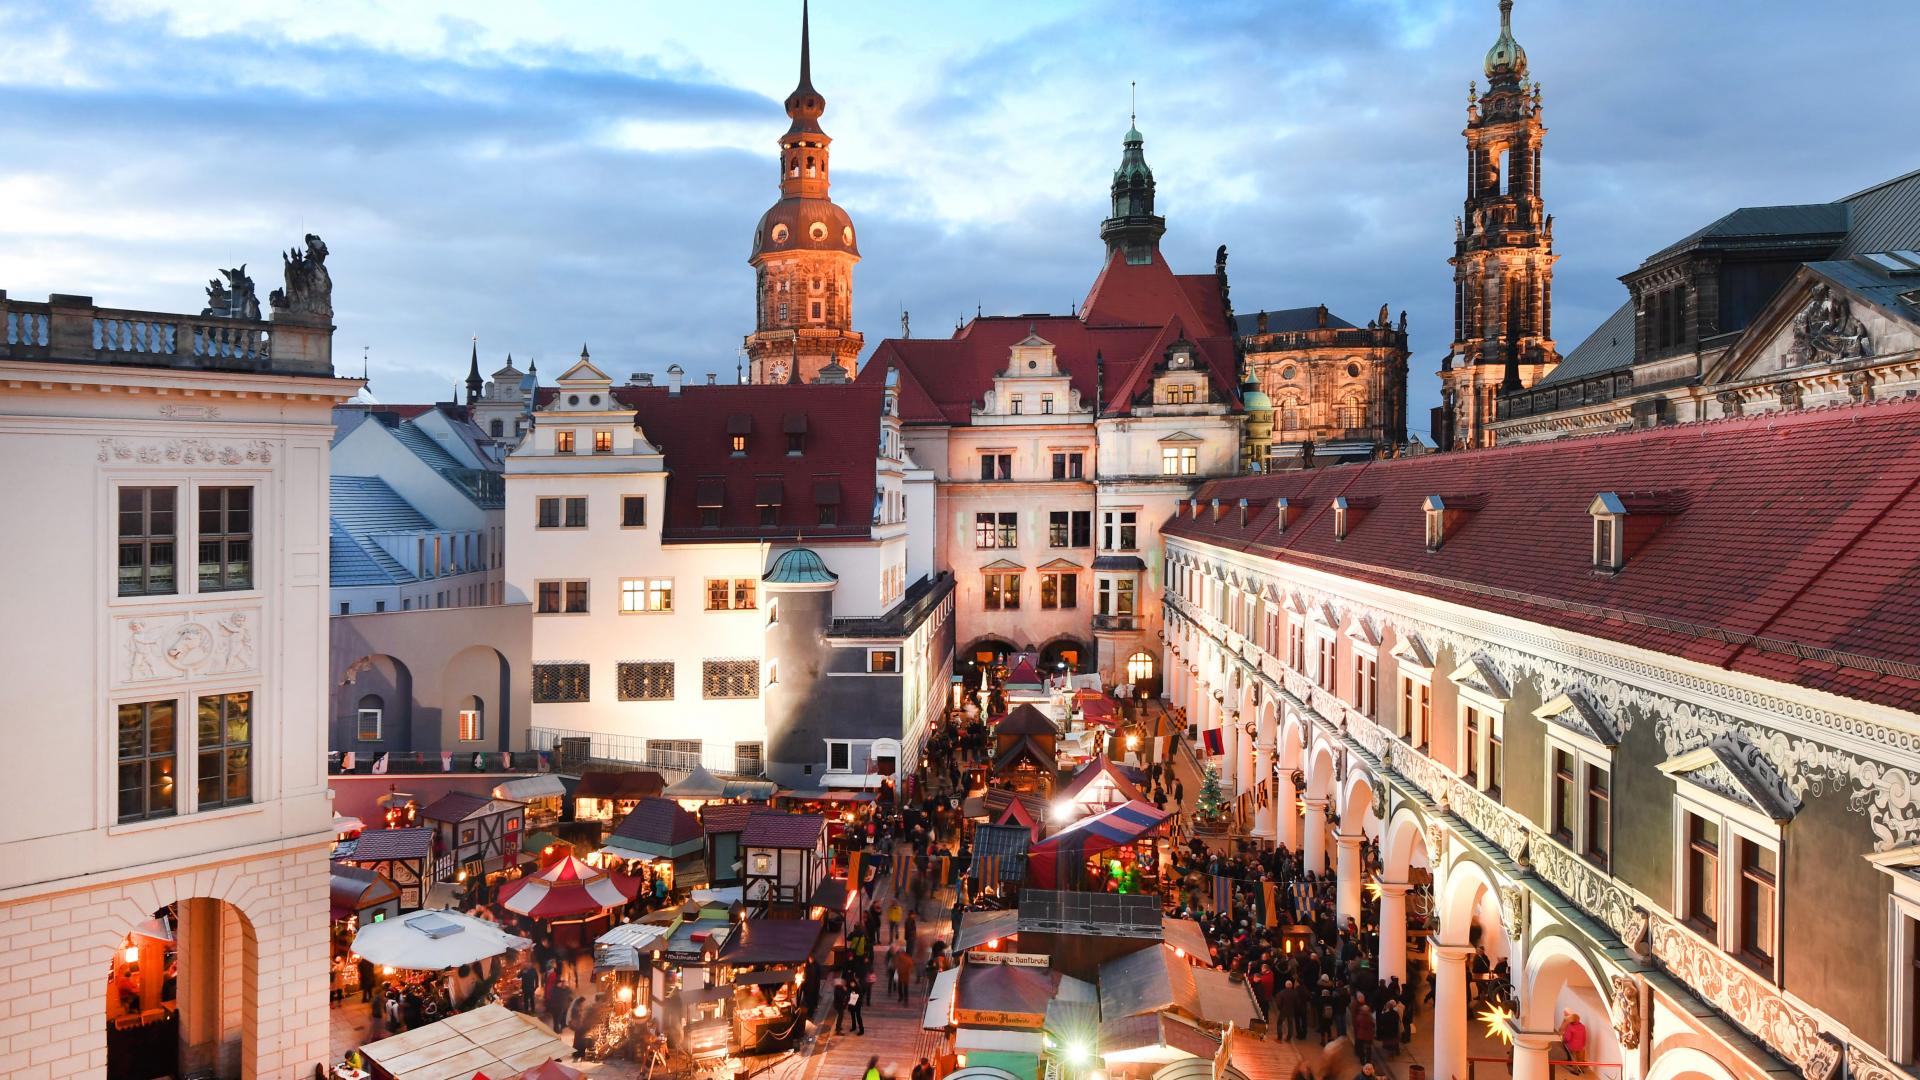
<point>1115,623</point>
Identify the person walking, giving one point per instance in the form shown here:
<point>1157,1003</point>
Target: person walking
<point>578,1021</point>
<point>365,969</point>
<point>840,996</point>
<point>873,1069</point>
<point>894,915</point>
<point>558,1000</point>
<point>902,972</point>
<point>912,928</point>
<point>923,1070</point>
<point>1180,794</point>
<point>854,1000</point>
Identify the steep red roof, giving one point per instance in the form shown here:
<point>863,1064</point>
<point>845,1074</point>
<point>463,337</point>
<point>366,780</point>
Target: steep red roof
<point>1133,314</point>
<point>1794,553</point>
<point>777,830</point>
<point>694,431</point>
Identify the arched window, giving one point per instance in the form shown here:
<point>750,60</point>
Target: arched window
<point>1139,667</point>
<point>367,719</point>
<point>1288,413</point>
<point>473,720</point>
<point>1350,414</point>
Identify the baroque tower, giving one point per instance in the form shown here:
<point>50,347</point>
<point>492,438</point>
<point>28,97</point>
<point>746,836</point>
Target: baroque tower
<point>1502,252</point>
<point>803,255</point>
<point>1133,227</point>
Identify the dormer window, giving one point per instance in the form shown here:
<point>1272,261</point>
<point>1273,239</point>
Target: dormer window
<point>563,442</point>
<point>739,444</point>
<point>1243,513</point>
<point>603,442</point>
<point>1018,404</point>
<point>1342,515</point>
<point>1215,504</point>
<point>1436,517</point>
<point>1609,533</point>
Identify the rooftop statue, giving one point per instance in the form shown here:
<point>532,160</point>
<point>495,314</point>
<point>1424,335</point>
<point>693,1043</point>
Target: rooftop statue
<point>309,289</point>
<point>233,299</point>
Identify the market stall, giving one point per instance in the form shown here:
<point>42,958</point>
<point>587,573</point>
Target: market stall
<point>1117,850</point>
<point>573,897</point>
<point>542,794</point>
<point>765,963</point>
<point>403,856</point>
<point>1099,785</point>
<point>476,836</point>
<point>609,796</point>
<point>490,1040</point>
<point>660,842</point>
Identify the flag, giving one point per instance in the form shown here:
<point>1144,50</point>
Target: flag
<point>1161,744</point>
<point>1265,791</point>
<point>853,870</point>
<point>1271,896</point>
<point>380,766</point>
<point>546,760</point>
<point>479,762</point>
<point>946,869</point>
<point>1222,894</point>
<point>346,762</point>
<point>1214,740</point>
<point>446,761</point>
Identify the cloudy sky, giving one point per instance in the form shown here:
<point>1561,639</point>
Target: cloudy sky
<point>542,174</point>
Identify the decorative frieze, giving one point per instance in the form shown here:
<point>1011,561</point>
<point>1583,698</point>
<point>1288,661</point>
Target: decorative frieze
<point>1739,994</point>
<point>158,647</point>
<point>187,452</point>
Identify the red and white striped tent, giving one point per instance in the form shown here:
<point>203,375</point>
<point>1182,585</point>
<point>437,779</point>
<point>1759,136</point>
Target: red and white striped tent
<point>569,889</point>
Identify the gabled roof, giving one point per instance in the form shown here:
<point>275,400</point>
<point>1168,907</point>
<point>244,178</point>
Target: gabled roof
<point>658,826</point>
<point>1823,598</point>
<point>1578,712</point>
<point>776,830</point>
<point>1026,720</point>
<point>690,429</point>
<point>1731,765</point>
<point>728,817</point>
<point>1027,747</point>
<point>1094,770</point>
<point>462,805</point>
<point>379,845</point>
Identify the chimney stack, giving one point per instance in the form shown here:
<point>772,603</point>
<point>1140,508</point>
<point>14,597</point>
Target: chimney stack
<point>712,379</point>
<point>674,375</point>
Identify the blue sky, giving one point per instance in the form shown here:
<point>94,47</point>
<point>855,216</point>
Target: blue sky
<point>545,174</point>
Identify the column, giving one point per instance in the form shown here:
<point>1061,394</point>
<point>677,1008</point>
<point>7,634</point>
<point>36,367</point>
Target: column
<point>1230,739</point>
<point>1285,802</point>
<point>1243,761</point>
<point>1347,881</point>
<point>1315,827</point>
<point>1393,930</point>
<point>1450,1010</point>
<point>1530,1055</point>
<point>1264,821</point>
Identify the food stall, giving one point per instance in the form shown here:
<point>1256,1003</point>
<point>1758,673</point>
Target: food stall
<point>490,1041</point>
<point>623,971</point>
<point>475,835</point>
<point>543,794</point>
<point>573,897</point>
<point>1117,850</point>
<point>693,1007</point>
<point>143,1010</point>
<point>660,840</point>
<point>609,796</point>
<point>403,856</point>
<point>764,962</point>
<point>435,956</point>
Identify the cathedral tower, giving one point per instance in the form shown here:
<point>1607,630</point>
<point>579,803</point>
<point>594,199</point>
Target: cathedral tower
<point>1502,251</point>
<point>1133,228</point>
<point>803,255</point>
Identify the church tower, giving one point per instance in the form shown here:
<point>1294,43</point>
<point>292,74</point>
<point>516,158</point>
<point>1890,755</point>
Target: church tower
<point>803,255</point>
<point>1502,252</point>
<point>1133,227</point>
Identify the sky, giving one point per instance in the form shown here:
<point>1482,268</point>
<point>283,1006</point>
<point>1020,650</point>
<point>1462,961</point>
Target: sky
<point>542,175</point>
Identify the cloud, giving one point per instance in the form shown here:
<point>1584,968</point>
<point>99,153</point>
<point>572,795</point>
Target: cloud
<point>541,176</point>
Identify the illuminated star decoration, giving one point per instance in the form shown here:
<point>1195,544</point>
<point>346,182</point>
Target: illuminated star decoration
<point>1499,1021</point>
<point>1373,890</point>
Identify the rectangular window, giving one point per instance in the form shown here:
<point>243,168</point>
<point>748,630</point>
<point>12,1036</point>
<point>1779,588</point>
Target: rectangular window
<point>147,759</point>
<point>996,530</point>
<point>1496,757</point>
<point>883,661</point>
<point>603,442</point>
<point>1019,405</point>
<point>1070,528</point>
<point>226,538</point>
<point>996,466</point>
<point>1179,460</point>
<point>1119,530</point>
<point>1470,748</point>
<point>576,512</point>
<point>1069,466</point>
<point>546,513</point>
<point>559,683</point>
<point>563,442</point>
<point>561,598</point>
<point>1599,843</point>
<point>1002,591</point>
<point>472,726</point>
<point>576,598</point>
<point>829,514</point>
<point>839,757</point>
<point>1758,867</point>
<point>633,511</point>
<point>673,753</point>
<point>1565,808</point>
<point>1701,902</point>
<point>749,758</point>
<point>368,727</point>
<point>1115,596</point>
<point>1059,590</point>
<point>645,595</point>
<point>730,678</point>
<point>796,444</point>
<point>645,680</point>
<point>224,745</point>
<point>1046,404</point>
<point>146,541</point>
<point>1366,684</point>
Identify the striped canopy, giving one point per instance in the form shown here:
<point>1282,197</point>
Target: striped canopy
<point>1054,863</point>
<point>569,889</point>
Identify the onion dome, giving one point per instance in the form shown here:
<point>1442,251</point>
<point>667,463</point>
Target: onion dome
<point>1506,58</point>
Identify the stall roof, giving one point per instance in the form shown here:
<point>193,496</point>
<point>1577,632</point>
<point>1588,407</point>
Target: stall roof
<point>465,806</point>
<point>1185,934</point>
<point>1225,998</point>
<point>1024,674</point>
<point>351,888</point>
<point>545,785</point>
<point>770,828</point>
<point>1123,824</point>
<point>832,894</point>
<point>619,785</point>
<point>940,1000</point>
<point>772,941</point>
<point>490,1039</point>
<point>657,827</point>
<point>1134,1033</point>
<point>381,845</point>
<point>727,817</point>
<point>1003,988</point>
<point>979,927</point>
<point>619,949</point>
<point>1092,771</point>
<point>1026,720</point>
<point>698,784</point>
<point>1027,747</point>
<point>1007,842</point>
<point>826,795</point>
<point>1096,913</point>
<point>1147,981</point>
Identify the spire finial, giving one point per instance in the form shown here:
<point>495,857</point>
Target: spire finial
<point>806,50</point>
<point>364,350</point>
<point>1133,104</point>
<point>1506,15</point>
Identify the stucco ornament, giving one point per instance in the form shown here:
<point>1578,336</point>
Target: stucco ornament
<point>1825,330</point>
<point>1514,902</point>
<point>1436,842</point>
<point>1626,1011</point>
<point>187,452</point>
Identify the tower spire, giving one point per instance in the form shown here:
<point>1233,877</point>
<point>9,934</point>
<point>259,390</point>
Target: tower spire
<point>1133,227</point>
<point>806,47</point>
<point>474,382</point>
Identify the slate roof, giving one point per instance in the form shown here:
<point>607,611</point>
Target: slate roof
<point>1886,217</point>
<point>456,806</point>
<point>777,830</point>
<point>363,507</point>
<point>1131,316</point>
<point>661,823</point>
<point>1026,720</point>
<point>1795,559</point>
<point>1286,320</point>
<point>378,845</point>
<point>728,817</point>
<point>1608,348</point>
<point>1763,226</point>
<point>838,464</point>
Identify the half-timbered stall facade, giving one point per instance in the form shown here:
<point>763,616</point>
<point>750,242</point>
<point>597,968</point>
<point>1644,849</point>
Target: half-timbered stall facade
<point>402,856</point>
<point>476,833</point>
<point>786,859</point>
<point>1634,713</point>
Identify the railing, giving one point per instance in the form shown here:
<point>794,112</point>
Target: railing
<point>1116,622</point>
<point>71,328</point>
<point>417,763</point>
<point>28,328</point>
<point>633,750</point>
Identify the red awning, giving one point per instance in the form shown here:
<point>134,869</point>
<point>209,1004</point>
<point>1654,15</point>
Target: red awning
<point>1070,846</point>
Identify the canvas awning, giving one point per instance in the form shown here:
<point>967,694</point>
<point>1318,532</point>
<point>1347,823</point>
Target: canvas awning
<point>621,948</point>
<point>739,424</point>
<point>940,1000</point>
<point>1070,847</point>
<point>772,941</point>
<point>794,423</point>
<point>490,1040</point>
<point>768,492</point>
<point>545,785</point>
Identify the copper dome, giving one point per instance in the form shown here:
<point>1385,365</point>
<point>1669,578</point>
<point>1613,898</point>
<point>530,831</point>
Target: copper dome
<point>795,221</point>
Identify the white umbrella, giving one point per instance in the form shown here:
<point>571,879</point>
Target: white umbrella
<point>433,941</point>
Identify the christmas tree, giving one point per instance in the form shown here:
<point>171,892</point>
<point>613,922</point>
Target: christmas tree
<point>1212,799</point>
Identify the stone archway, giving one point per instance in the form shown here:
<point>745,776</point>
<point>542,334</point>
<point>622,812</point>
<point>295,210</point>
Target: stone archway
<point>375,707</point>
<point>476,701</point>
<point>1320,796</point>
<point>1066,650</point>
<point>1686,1063</point>
<point>1469,913</point>
<point>1406,889</point>
<point>1356,813</point>
<point>1560,978</point>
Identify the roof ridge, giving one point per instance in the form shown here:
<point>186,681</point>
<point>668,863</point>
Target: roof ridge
<point>1871,188</point>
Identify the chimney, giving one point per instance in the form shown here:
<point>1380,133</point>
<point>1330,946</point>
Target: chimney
<point>640,378</point>
<point>674,375</point>
<point>712,379</point>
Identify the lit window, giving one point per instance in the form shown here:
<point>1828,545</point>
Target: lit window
<point>223,746</point>
<point>367,727</point>
<point>646,595</point>
<point>739,444</point>
<point>472,721</point>
<point>603,442</point>
<point>1059,590</point>
<point>147,761</point>
<point>1002,591</point>
<point>563,442</point>
<point>1179,460</point>
<point>226,538</point>
<point>883,661</point>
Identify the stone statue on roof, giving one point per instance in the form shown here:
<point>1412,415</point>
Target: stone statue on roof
<point>309,288</point>
<point>233,298</point>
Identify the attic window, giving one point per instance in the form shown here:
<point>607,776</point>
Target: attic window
<point>1609,533</point>
<point>1436,515</point>
<point>1341,513</point>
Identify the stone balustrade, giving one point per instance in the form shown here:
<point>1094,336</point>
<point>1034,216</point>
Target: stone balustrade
<point>70,329</point>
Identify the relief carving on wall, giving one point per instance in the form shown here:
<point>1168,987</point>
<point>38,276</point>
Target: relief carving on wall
<point>1513,911</point>
<point>1626,1010</point>
<point>188,452</point>
<point>156,647</point>
<point>1731,988</point>
<point>1826,331</point>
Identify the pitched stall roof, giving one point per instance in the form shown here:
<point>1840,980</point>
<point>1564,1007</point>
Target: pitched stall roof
<point>462,805</point>
<point>776,830</point>
<point>658,827</point>
<point>1814,512</point>
<point>691,429</point>
<point>1132,315</point>
<point>380,845</point>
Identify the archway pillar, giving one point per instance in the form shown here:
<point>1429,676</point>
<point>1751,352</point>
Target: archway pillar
<point>1347,875</point>
<point>1450,1010</point>
<point>1530,1060</point>
<point>1316,838</point>
<point>1393,930</point>
<point>1230,740</point>
<point>1265,820</point>
<point>1287,809</point>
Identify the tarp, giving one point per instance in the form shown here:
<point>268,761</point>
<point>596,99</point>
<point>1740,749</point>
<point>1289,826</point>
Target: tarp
<point>1070,846</point>
<point>620,948</point>
<point>433,941</point>
<point>545,785</point>
<point>940,1000</point>
<point>490,1040</point>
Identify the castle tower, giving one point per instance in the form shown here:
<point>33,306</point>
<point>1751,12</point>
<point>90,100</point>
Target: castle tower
<point>803,255</point>
<point>1133,226</point>
<point>1502,251</point>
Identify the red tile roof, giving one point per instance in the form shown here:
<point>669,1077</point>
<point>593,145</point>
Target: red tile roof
<point>776,830</point>
<point>691,429</point>
<point>659,821</point>
<point>456,806</point>
<point>728,817</point>
<point>1133,314</point>
<point>1796,556</point>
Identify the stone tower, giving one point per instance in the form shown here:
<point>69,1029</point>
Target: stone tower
<point>803,255</point>
<point>1502,251</point>
<point>1133,227</point>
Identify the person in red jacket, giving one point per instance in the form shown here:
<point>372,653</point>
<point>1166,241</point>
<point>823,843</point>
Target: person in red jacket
<point>1573,1037</point>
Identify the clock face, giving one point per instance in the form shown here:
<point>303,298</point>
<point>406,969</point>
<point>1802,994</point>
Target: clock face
<point>777,371</point>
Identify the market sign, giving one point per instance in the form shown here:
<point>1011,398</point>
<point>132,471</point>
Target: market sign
<point>1010,959</point>
<point>993,1018</point>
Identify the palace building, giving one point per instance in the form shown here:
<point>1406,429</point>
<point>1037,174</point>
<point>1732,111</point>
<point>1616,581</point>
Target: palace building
<point>804,251</point>
<point>1328,391</point>
<point>1502,253</point>
<point>1632,713</point>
